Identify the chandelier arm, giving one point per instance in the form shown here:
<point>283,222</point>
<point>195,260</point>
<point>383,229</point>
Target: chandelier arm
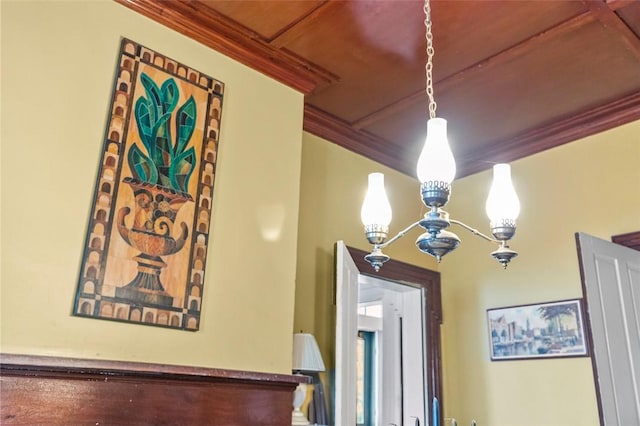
<point>398,235</point>
<point>475,231</point>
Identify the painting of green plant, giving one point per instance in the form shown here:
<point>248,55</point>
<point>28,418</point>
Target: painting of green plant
<point>166,162</point>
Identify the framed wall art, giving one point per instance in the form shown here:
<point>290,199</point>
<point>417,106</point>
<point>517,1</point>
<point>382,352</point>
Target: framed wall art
<point>543,330</point>
<point>148,233</point>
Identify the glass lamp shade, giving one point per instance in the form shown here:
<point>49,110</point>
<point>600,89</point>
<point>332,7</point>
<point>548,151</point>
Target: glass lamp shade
<point>306,354</point>
<point>436,161</point>
<point>502,204</point>
<point>376,209</point>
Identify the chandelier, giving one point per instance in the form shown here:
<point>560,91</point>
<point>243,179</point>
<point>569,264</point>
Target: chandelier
<point>436,170</point>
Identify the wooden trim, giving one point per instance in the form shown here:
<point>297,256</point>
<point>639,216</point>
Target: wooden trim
<point>550,135</point>
<point>428,280</point>
<point>234,40</point>
<point>31,363</point>
<point>619,4</point>
<point>396,270</point>
<point>49,390</point>
<point>276,39</point>
<point>609,19</point>
<point>362,143</point>
<point>532,43</point>
<point>391,109</point>
<point>631,240</point>
<point>229,38</point>
<point>499,58</point>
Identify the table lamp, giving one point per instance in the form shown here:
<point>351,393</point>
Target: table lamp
<point>307,359</point>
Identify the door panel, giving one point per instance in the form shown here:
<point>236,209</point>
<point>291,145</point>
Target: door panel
<point>413,358</point>
<point>611,283</point>
<point>399,272</point>
<point>346,336</point>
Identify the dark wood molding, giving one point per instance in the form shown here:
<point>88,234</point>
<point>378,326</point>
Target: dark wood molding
<point>500,58</point>
<point>229,38</point>
<point>396,270</point>
<point>631,240</point>
<point>49,390</point>
<point>361,142</point>
<point>269,56</point>
<point>391,109</point>
<point>428,280</point>
<point>550,135</point>
<point>619,4</point>
<point>608,17</point>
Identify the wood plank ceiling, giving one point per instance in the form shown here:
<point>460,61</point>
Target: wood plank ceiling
<point>511,77</point>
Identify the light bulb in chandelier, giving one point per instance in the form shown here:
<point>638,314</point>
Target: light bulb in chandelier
<point>436,162</point>
<point>503,205</point>
<point>436,167</point>
<point>436,170</point>
<point>376,210</point>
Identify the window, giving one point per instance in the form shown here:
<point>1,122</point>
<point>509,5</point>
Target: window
<point>365,378</point>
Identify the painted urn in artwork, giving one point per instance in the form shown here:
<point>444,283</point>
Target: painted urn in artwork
<point>161,173</point>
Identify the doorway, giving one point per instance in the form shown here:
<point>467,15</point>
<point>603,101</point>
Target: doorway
<point>352,268</point>
<point>391,353</point>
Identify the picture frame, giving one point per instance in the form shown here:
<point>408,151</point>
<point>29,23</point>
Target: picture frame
<point>149,227</point>
<point>539,330</point>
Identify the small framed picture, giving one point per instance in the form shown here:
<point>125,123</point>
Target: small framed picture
<point>542,330</point>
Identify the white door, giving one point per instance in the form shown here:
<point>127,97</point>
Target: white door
<point>611,281</point>
<point>401,388</point>
<point>346,336</point>
<point>413,359</point>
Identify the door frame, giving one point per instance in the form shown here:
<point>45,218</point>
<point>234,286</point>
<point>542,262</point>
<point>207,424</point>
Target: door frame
<point>429,281</point>
<point>631,240</point>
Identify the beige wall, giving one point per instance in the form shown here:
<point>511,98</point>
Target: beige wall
<point>332,188</point>
<point>58,63</point>
<point>592,186</point>
<point>560,191</point>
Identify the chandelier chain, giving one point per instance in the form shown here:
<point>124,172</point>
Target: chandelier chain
<point>430,53</point>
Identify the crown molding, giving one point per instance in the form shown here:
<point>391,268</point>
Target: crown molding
<point>213,30</point>
<point>541,138</point>
<point>341,133</point>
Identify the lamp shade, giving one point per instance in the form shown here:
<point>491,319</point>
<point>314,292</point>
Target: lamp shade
<point>502,203</point>
<point>436,162</point>
<point>376,209</point>
<point>306,354</point>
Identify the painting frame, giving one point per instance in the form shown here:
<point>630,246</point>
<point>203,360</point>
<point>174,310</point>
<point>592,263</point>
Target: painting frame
<point>148,231</point>
<point>538,331</point>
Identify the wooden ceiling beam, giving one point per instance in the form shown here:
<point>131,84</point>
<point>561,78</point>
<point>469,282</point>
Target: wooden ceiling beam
<point>274,40</point>
<point>606,14</point>
<point>392,109</point>
<point>500,58</point>
<point>229,38</point>
<point>619,4</point>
